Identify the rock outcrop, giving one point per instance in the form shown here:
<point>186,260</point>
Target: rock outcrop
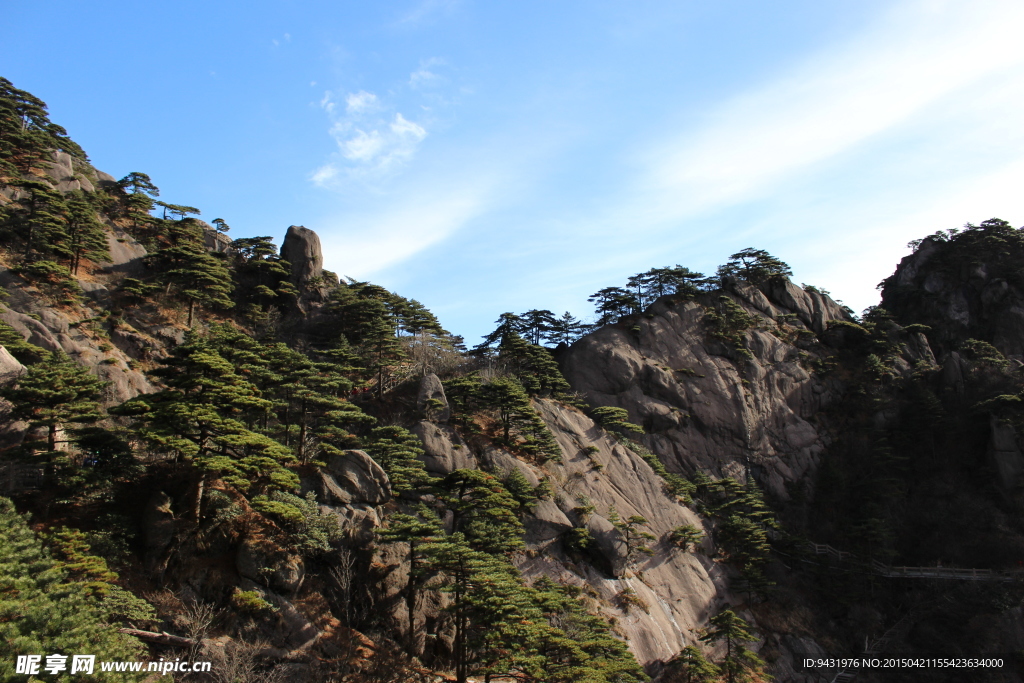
<point>269,565</point>
<point>68,174</point>
<point>431,401</point>
<point>445,451</point>
<point>301,248</point>
<point>962,289</point>
<point>358,479</point>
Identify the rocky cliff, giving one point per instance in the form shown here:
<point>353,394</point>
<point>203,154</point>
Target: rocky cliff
<point>703,402</point>
<point>675,590</point>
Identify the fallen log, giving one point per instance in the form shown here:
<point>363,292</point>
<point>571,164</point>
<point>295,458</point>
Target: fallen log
<point>159,638</point>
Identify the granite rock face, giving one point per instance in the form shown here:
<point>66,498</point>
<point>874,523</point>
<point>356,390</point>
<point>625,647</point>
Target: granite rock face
<point>431,401</point>
<point>358,479</point>
<point>10,368</point>
<point>445,451</point>
<point>301,248</point>
<point>69,174</point>
<point>53,332</point>
<point>680,589</point>
<point>701,403</point>
<point>269,565</point>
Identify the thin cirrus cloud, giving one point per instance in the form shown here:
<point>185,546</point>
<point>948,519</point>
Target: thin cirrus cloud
<point>425,10</point>
<point>423,77</point>
<point>402,231</point>
<point>919,53</point>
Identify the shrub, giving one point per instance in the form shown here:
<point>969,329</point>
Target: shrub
<point>312,532</point>
<point>252,603</point>
<point>685,537</point>
<point>627,599</point>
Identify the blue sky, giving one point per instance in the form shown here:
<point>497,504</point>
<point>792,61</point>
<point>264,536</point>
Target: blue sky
<point>485,157</point>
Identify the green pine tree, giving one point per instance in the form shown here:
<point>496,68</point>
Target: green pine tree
<point>55,392</point>
<point>739,664</point>
<point>482,510</point>
<point>42,612</point>
<point>86,237</point>
<point>415,530</point>
<point>197,419</point>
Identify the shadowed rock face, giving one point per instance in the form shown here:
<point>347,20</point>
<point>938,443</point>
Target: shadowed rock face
<point>959,297</point>
<point>302,250</point>
<point>703,406</point>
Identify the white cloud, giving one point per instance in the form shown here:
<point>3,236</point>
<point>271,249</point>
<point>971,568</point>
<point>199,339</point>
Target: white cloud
<point>372,141</point>
<point>325,174</point>
<point>327,103</point>
<point>359,102</point>
<point>407,129</point>
<point>362,146</point>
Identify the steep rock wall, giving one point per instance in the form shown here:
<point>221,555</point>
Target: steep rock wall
<point>702,405</point>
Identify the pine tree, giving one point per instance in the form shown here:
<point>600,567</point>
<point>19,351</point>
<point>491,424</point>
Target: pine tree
<point>399,452</point>
<point>739,663</point>
<point>26,133</point>
<point>37,222</point>
<point>41,612</point>
<point>86,237</point>
<point>414,530</point>
<point>508,324</point>
<point>495,620</point>
<point>633,535</point>
<point>55,392</point>
<point>535,324</point>
<point>756,266</point>
<point>686,536</point>
<point>516,415</point>
<point>581,647</point>
<point>260,270</point>
<point>690,666</point>
<point>518,486</point>
<point>380,348</point>
<point>196,418</point>
<point>138,183</point>
<point>483,511</point>
<point>533,366</point>
<point>203,279</point>
<point>613,303</point>
<point>615,420</point>
<point>25,352</point>
<point>565,330</point>
<point>136,191</point>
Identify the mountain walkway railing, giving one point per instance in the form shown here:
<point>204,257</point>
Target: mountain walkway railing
<point>896,571</point>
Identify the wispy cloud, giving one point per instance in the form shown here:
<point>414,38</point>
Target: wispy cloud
<point>919,53</point>
<point>425,10</point>
<point>360,102</point>
<point>373,140</point>
<point>423,77</point>
<point>413,223</point>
